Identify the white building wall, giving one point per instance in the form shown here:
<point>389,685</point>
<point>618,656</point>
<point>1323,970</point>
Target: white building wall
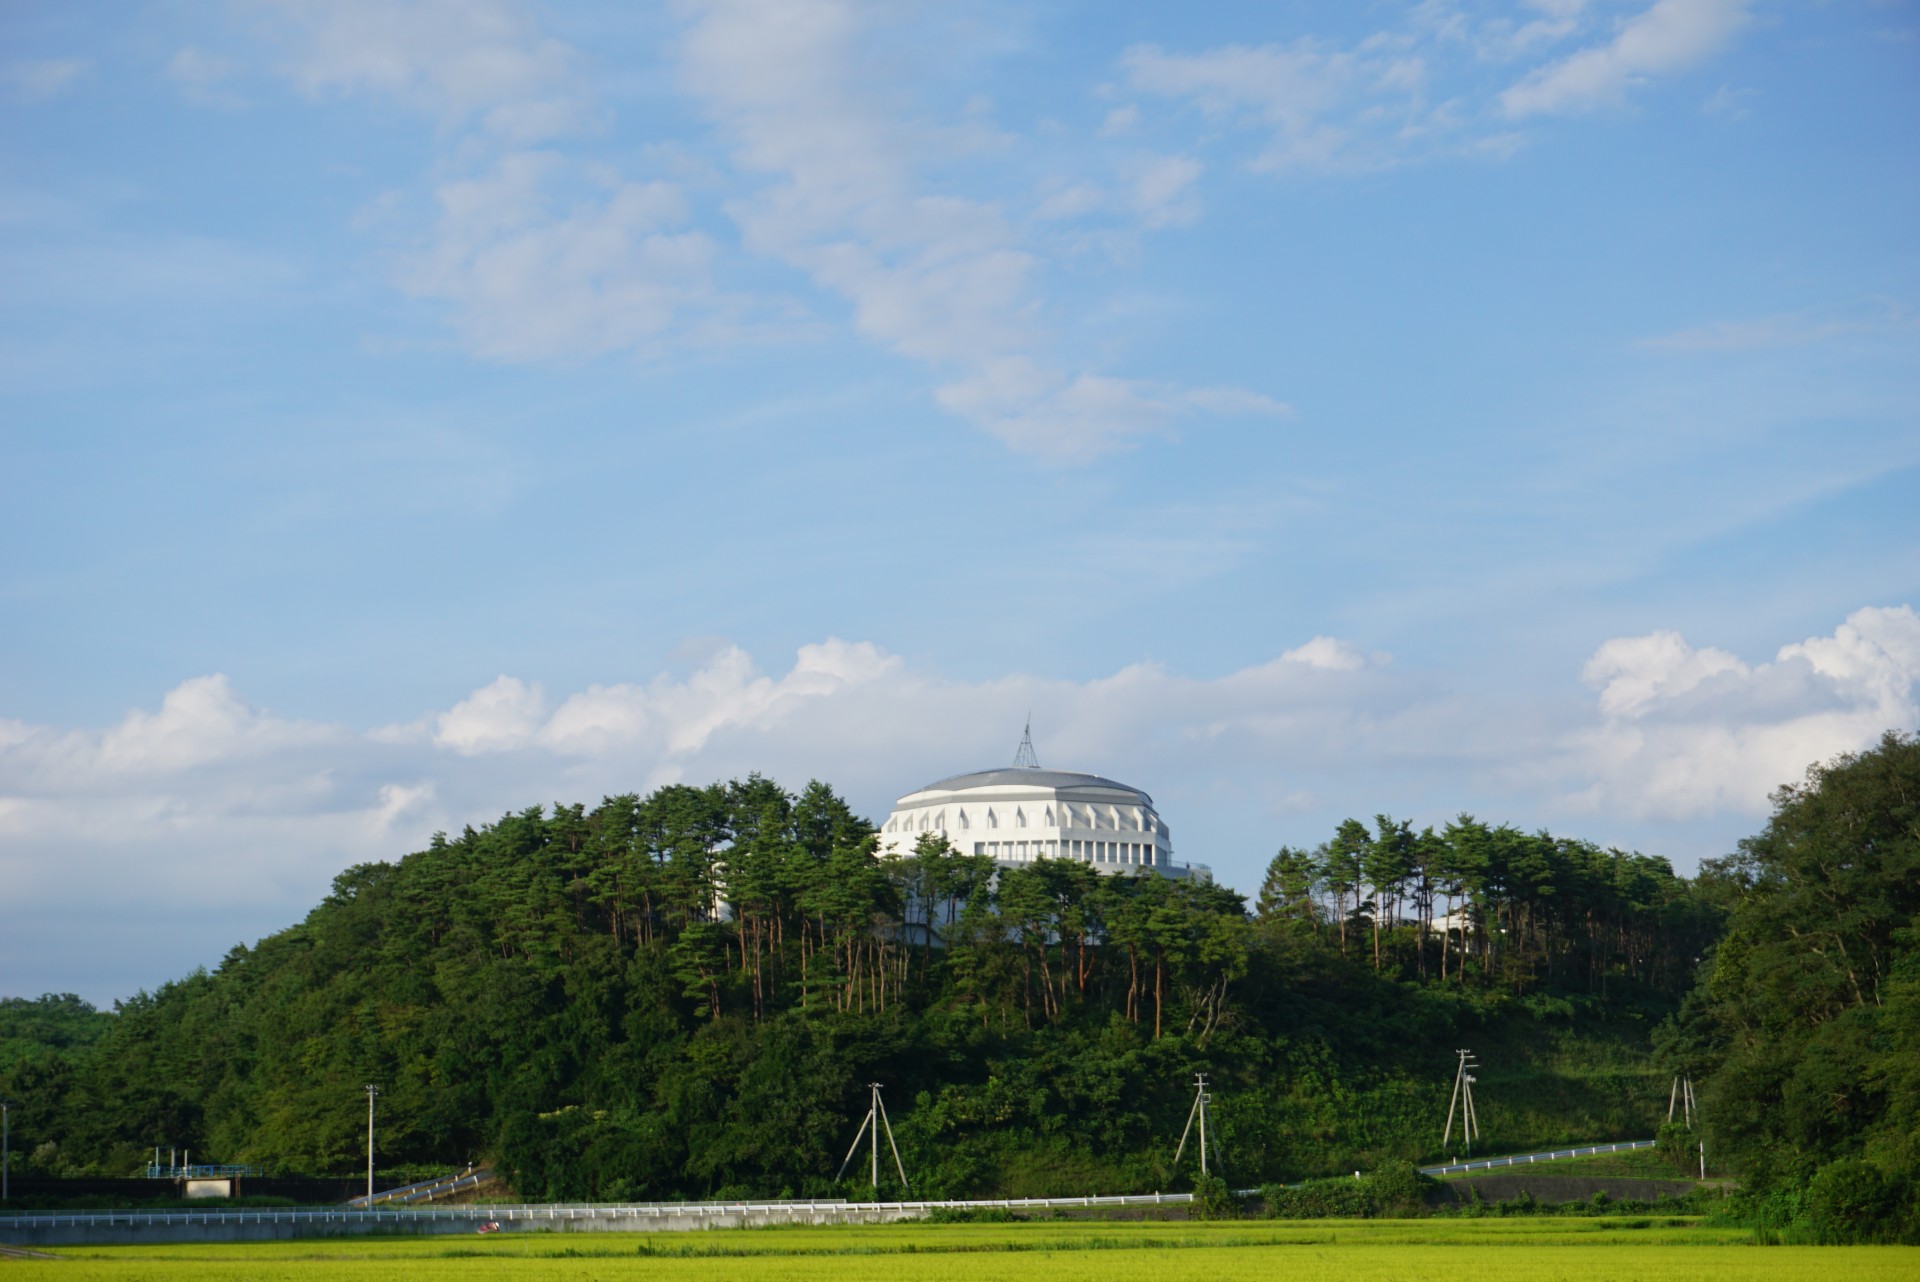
<point>1113,828</point>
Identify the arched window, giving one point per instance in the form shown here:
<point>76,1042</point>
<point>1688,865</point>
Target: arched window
<point>1049,819</point>
<point>1019,817</point>
<point>993,820</point>
<point>964,825</point>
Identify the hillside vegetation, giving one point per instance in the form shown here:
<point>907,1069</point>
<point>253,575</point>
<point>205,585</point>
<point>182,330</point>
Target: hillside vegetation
<point>559,992</point>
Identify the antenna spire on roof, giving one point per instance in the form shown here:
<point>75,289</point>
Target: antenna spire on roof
<point>1025,756</point>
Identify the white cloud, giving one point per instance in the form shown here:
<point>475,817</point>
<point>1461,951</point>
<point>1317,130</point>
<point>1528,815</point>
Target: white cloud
<point>1074,201</point>
<point>1669,36</point>
<point>941,278</point>
<point>494,718</point>
<point>1042,411</point>
<point>203,77</point>
<point>201,722</point>
<point>1330,653</point>
<point>1416,89</point>
<point>460,61</point>
<point>209,803</point>
<point>608,270</point>
<point>543,256</point>
<point>41,79</point>
<point>1728,103</point>
<point>1787,329</point>
<point>1163,190</point>
<point>1500,37</point>
<point>1304,91</point>
<point>1685,732</point>
<point>728,693</point>
<point>206,800</point>
<point>198,68</point>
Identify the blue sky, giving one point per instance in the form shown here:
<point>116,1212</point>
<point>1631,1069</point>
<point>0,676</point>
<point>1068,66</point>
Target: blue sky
<point>414,411</point>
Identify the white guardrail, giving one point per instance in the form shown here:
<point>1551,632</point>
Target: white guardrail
<point>534,1214</point>
<point>646,1212</point>
<point>1529,1159</point>
<point>427,1190</point>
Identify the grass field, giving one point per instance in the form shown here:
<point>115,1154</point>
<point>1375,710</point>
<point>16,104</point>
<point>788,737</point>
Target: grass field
<point>1529,1250</point>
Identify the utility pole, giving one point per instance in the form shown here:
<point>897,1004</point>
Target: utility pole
<point>373,1093</point>
<point>1462,1100</point>
<point>1681,1098</point>
<point>876,1119</point>
<point>1197,1113</point>
<point>6,1149</point>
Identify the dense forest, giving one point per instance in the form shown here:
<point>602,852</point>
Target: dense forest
<point>686,994</point>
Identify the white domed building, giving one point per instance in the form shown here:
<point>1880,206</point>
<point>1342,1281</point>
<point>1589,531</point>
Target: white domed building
<point>1022,814</point>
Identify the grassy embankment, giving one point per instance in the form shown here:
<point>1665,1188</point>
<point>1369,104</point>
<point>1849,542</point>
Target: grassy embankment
<point>1639,1164</point>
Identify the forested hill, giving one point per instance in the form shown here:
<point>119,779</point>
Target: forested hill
<point>556,992</point>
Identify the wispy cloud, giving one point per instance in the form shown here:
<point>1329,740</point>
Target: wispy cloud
<point>1416,88</point>
<point>1326,107</point>
<point>543,256</point>
<point>536,274</point>
<point>1541,23</point>
<point>1728,103</point>
<point>541,253</point>
<point>1667,37</point>
<point>204,77</point>
<point>463,62</point>
<point>1787,329</point>
<point>41,79</point>
<point>935,275</point>
<point>1162,189</point>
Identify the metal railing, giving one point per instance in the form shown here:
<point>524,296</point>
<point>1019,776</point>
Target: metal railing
<point>641,1212</point>
<point>426,1190</point>
<point>1530,1159</point>
<point>220,1172</point>
<point>645,1214</point>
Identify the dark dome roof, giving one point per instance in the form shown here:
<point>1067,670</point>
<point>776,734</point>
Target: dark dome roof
<point>1025,776</point>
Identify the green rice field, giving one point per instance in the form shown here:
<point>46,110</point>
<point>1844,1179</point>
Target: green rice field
<point>1523,1250</point>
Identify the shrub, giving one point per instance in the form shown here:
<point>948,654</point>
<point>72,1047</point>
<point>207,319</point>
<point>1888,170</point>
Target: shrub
<point>1850,1201</point>
<point>1213,1200</point>
<point>1396,1189</point>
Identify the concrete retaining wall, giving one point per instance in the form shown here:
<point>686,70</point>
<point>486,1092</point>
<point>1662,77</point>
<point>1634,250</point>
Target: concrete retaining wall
<point>1556,1188</point>
<point>137,1233</point>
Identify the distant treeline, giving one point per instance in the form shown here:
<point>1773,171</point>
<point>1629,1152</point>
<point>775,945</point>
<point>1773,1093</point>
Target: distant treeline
<point>686,993</point>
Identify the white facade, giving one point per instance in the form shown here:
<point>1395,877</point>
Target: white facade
<point>1020,814</point>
